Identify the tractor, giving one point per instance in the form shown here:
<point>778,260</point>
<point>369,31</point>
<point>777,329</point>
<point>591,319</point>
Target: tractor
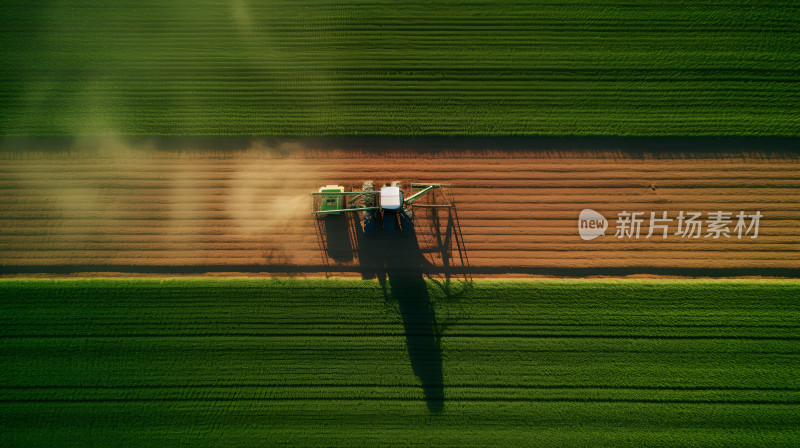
<point>387,208</point>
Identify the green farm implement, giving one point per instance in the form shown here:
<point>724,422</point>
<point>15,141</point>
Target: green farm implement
<point>388,208</point>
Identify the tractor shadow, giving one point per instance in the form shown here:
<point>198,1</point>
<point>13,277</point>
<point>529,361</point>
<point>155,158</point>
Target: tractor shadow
<point>335,239</point>
<point>417,272</point>
<point>399,265</point>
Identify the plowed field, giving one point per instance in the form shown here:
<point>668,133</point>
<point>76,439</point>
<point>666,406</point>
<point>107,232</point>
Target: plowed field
<point>249,211</point>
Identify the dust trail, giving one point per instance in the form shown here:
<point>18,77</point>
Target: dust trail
<point>68,191</point>
<point>189,205</point>
<point>260,206</point>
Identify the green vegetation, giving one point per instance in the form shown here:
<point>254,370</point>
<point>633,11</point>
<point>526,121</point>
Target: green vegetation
<point>249,362</point>
<point>321,67</point>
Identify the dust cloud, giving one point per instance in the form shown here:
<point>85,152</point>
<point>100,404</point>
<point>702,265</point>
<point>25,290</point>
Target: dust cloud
<point>111,200</point>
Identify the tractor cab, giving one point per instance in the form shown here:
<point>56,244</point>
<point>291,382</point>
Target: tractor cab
<point>331,203</point>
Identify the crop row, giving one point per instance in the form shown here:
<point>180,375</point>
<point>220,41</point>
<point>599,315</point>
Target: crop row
<point>453,68</point>
<point>314,361</point>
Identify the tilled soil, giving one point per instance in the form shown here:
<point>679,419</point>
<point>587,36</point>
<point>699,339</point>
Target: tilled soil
<point>516,212</point>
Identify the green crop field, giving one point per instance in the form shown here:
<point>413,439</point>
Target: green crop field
<point>253,362</point>
<point>323,67</point>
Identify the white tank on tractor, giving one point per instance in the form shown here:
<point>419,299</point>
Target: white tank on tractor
<point>391,197</point>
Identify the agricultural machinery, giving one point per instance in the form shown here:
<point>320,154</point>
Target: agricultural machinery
<point>387,208</point>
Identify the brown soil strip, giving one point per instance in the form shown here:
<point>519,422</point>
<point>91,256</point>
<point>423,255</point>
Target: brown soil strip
<point>248,212</point>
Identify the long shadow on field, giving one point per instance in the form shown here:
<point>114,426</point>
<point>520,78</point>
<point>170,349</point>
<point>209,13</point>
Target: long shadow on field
<point>334,238</point>
<point>399,265</point>
<point>417,270</point>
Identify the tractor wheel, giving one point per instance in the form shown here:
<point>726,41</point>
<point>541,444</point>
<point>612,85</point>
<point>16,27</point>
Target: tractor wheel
<point>371,219</point>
